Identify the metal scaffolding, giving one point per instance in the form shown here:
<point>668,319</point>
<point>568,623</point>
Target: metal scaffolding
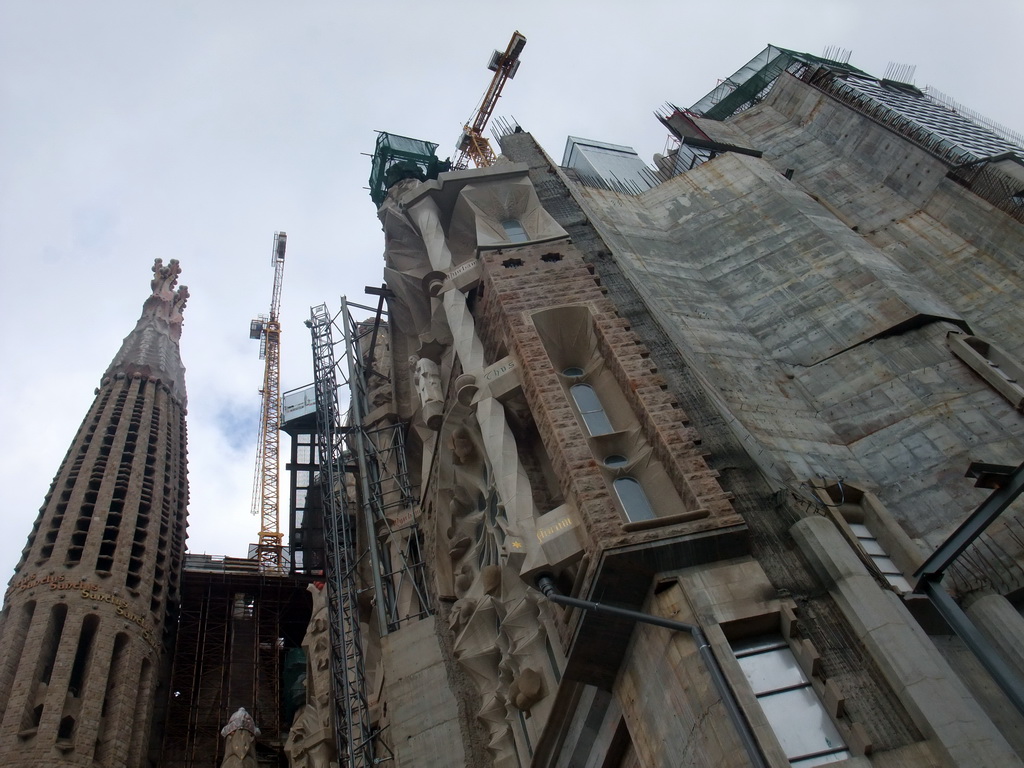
<point>369,460</point>
<point>348,679</point>
<point>234,626</point>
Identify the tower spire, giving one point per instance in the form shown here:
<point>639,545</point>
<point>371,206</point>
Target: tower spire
<point>82,630</point>
<point>151,349</point>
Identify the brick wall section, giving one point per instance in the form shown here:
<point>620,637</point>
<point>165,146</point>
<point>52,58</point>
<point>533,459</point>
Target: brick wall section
<point>509,295</point>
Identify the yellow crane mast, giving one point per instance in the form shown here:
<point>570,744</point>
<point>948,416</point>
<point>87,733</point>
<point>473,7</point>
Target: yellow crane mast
<point>267,329</point>
<point>472,145</point>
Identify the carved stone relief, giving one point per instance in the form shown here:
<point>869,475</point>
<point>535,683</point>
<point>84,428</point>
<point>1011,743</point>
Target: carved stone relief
<point>310,742</point>
<point>426,379</point>
<point>499,638</point>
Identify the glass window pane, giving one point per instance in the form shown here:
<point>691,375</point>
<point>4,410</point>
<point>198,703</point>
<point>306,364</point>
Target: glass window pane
<point>800,722</point>
<point>871,546</point>
<point>514,230</point>
<point>597,423</point>
<point>587,401</point>
<point>899,582</point>
<point>772,670</point>
<point>633,499</point>
<point>585,397</point>
<point>885,565</point>
<point>860,531</point>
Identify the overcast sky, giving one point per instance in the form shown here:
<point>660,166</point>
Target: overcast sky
<point>195,130</point>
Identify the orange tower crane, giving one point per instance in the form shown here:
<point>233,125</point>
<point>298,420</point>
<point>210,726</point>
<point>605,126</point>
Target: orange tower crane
<point>269,550</point>
<point>472,145</point>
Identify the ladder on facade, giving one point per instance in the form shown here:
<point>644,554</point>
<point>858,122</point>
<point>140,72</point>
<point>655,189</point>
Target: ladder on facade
<point>352,725</point>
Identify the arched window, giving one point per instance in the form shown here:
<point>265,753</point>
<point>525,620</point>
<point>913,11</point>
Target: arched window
<point>591,409</point>
<point>633,499</point>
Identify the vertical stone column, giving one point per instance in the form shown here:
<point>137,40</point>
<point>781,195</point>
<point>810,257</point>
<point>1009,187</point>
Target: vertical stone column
<point>470,350</point>
<point>996,617</point>
<point>511,480</point>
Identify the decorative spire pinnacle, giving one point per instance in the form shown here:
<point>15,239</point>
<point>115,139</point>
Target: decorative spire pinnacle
<point>151,349</point>
<point>167,303</point>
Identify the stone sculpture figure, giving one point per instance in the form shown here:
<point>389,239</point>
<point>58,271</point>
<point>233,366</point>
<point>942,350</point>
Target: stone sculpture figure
<point>240,741</point>
<point>426,378</point>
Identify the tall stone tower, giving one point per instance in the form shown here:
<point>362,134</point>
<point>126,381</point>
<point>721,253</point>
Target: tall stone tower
<point>81,633</point>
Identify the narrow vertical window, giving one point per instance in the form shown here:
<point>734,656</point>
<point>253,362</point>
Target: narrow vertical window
<point>591,409</point>
<point>1002,372</point>
<point>514,231</point>
<point>113,701</point>
<point>142,708</point>
<point>880,557</point>
<point>82,655</point>
<point>796,715</point>
<point>44,664</point>
<point>21,620</point>
<point>633,499</point>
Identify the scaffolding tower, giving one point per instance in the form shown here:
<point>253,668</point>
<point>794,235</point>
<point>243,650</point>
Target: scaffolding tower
<point>235,625</point>
<point>375,525</point>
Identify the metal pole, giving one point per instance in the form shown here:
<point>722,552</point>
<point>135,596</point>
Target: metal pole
<point>547,586</point>
<point>357,391</point>
<point>1009,485</point>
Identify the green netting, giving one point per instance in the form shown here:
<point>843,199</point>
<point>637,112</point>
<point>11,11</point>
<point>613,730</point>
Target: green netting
<point>293,681</point>
<point>742,88</point>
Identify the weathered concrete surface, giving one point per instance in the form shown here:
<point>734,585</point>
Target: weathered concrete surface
<point>825,346</point>
<point>424,715</point>
<point>899,199</point>
<point>936,699</point>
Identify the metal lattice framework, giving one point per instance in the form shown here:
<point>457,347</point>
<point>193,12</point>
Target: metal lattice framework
<point>269,550</point>
<point>233,620</point>
<point>386,496</point>
<point>372,462</point>
<point>348,679</point>
<point>473,145</point>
